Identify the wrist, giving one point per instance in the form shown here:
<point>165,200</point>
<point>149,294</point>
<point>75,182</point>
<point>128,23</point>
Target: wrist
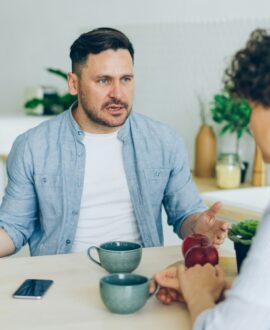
<point>198,303</point>
<point>189,225</point>
<point>204,297</point>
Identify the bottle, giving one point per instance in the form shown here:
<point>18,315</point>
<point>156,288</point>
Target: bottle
<point>259,171</point>
<point>205,152</point>
<point>228,171</point>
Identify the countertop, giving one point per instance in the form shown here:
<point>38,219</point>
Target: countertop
<point>227,212</point>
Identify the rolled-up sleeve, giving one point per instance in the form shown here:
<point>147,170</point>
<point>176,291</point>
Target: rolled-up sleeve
<point>18,211</point>
<point>181,197</point>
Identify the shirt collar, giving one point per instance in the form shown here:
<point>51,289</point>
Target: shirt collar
<point>122,133</point>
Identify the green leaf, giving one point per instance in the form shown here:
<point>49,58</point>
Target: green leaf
<point>61,102</point>
<point>233,113</point>
<point>58,72</point>
<point>225,129</point>
<point>244,230</point>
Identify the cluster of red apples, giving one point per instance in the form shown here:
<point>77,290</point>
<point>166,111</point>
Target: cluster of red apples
<point>197,249</point>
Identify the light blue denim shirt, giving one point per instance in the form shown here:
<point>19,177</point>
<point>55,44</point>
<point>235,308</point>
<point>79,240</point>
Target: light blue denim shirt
<point>46,169</point>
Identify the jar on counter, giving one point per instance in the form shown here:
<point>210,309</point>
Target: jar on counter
<point>228,171</point>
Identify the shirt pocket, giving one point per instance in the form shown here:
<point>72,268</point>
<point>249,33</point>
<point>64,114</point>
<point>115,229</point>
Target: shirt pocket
<point>157,179</point>
<point>50,195</point>
<point>48,181</point>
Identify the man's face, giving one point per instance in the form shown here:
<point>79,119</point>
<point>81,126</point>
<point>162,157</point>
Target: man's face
<point>105,90</point>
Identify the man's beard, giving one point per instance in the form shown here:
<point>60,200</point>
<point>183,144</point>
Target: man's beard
<point>94,115</point>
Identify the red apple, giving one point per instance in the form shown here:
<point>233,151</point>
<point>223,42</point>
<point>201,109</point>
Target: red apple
<point>193,240</point>
<point>201,255</point>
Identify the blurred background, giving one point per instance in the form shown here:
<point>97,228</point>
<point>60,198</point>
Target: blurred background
<point>181,50</point>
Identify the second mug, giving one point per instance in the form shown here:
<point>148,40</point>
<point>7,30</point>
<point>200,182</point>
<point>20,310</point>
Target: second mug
<point>117,256</point>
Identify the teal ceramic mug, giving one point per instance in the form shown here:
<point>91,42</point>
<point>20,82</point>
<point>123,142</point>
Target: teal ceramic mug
<point>117,256</point>
<point>125,293</point>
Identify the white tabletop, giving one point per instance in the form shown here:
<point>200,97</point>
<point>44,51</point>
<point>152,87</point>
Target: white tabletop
<point>73,302</point>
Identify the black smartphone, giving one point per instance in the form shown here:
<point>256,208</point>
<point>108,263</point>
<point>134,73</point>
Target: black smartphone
<point>32,289</point>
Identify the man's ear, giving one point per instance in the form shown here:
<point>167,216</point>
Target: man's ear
<point>72,80</point>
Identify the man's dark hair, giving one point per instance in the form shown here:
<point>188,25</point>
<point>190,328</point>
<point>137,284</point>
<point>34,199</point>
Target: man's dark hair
<point>249,73</point>
<point>95,42</point>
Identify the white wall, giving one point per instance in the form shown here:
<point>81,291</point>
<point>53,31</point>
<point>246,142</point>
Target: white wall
<point>182,47</point>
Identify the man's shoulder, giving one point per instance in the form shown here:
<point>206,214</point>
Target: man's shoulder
<point>45,131</point>
<point>148,126</point>
<point>48,125</point>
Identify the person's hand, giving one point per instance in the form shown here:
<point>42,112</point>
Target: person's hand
<point>199,282</point>
<point>169,286</point>
<point>208,225</point>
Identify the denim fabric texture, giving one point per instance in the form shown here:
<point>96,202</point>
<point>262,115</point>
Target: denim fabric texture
<point>46,169</point>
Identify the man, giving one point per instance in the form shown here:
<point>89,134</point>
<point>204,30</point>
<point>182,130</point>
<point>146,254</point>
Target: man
<point>99,171</point>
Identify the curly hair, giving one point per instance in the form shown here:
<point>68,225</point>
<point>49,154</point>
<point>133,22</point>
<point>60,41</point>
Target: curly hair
<point>248,75</point>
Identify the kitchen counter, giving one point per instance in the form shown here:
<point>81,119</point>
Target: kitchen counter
<point>227,212</point>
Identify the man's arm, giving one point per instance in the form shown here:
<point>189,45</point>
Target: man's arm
<point>188,227</point>
<point>18,210</point>
<point>7,246</point>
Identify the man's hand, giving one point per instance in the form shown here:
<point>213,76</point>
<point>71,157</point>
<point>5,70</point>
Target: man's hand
<point>208,225</point>
<point>7,246</point>
<point>169,286</point>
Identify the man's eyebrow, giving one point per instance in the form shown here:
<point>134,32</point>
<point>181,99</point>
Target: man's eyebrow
<point>103,76</point>
<point>131,75</point>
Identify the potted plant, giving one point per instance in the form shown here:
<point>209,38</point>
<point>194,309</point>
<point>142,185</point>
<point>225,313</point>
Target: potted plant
<point>242,234</point>
<point>52,102</point>
<point>233,114</point>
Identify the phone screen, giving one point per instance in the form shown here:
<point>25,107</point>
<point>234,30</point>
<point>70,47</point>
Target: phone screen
<point>32,289</point>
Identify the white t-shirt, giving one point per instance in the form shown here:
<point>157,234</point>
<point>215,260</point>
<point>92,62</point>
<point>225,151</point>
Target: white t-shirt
<point>106,211</point>
<point>247,304</point>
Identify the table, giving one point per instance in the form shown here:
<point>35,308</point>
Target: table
<point>73,302</point>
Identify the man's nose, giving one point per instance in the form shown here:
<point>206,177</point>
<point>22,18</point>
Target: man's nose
<point>116,90</point>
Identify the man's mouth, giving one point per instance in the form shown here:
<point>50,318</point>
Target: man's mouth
<point>115,107</point>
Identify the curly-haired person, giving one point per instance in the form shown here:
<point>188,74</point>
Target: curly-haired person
<point>246,305</point>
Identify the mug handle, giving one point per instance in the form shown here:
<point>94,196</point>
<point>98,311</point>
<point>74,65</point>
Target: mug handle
<point>156,290</point>
<point>89,254</point>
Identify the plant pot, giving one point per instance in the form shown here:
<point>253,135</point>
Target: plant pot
<point>241,251</point>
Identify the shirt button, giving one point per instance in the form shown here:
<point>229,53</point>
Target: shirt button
<point>74,212</point>
<point>157,173</point>
<point>79,132</point>
<point>80,154</point>
<point>68,241</point>
<point>44,179</point>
